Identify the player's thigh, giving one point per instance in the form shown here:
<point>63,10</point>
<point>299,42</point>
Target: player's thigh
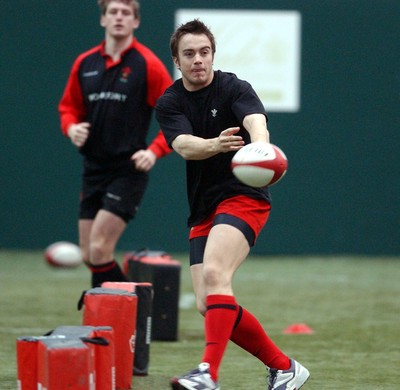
<point>225,250</point>
<point>124,193</point>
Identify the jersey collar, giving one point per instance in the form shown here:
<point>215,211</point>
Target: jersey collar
<point>108,59</point>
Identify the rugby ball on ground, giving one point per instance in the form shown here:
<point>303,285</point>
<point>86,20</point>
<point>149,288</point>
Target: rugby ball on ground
<point>259,164</point>
<point>63,254</point>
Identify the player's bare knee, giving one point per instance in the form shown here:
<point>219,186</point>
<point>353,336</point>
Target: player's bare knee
<point>214,277</point>
<point>98,254</point>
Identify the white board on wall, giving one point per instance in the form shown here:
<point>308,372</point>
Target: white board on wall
<point>260,46</point>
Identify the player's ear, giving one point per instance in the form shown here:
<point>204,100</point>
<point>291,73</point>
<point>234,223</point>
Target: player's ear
<point>176,62</point>
<point>136,24</point>
<point>102,21</point>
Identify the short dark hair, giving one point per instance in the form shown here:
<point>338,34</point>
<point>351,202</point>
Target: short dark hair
<point>103,4</point>
<point>193,27</point>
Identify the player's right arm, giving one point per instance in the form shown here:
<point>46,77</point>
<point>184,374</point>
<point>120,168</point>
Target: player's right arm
<point>191,147</point>
<point>72,109</point>
<point>78,133</point>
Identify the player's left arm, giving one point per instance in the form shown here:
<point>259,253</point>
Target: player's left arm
<point>256,125</point>
<point>158,81</point>
<point>144,159</point>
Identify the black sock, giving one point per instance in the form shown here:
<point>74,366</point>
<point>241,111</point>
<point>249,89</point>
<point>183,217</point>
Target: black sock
<point>109,272</point>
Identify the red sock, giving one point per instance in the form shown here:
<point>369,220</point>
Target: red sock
<point>219,321</point>
<point>251,336</point>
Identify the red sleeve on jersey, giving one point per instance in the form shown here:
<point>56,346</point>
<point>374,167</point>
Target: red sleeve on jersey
<point>71,106</point>
<point>158,80</point>
<point>159,145</point>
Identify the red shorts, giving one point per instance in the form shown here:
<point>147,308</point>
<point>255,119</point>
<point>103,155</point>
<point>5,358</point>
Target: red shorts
<point>253,212</point>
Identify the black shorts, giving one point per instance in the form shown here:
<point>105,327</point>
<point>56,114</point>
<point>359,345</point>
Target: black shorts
<point>198,244</point>
<point>118,189</point>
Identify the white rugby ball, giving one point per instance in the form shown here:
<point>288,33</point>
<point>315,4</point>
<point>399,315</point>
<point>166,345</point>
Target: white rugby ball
<point>259,164</point>
<point>63,254</point>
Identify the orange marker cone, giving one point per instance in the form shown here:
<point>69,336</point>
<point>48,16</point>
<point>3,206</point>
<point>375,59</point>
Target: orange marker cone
<point>298,329</point>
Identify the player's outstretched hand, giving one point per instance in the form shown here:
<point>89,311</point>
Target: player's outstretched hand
<point>228,141</point>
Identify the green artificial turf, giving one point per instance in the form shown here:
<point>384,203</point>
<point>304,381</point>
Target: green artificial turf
<point>351,303</point>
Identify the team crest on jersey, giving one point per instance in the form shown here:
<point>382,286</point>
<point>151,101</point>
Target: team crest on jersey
<point>214,112</point>
<point>125,74</point>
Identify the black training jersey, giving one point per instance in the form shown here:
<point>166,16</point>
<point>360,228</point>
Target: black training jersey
<point>116,98</point>
<point>205,113</point>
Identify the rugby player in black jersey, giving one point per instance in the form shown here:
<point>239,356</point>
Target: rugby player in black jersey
<point>206,116</point>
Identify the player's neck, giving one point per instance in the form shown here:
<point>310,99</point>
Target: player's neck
<point>114,47</point>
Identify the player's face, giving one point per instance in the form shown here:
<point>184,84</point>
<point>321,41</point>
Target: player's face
<point>195,61</point>
<point>119,20</point>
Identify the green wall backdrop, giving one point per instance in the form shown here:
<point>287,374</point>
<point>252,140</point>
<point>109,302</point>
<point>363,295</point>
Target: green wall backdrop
<point>341,194</point>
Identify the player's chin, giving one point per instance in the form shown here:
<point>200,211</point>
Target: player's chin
<point>198,80</point>
<point>120,34</point>
<point>201,76</point>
